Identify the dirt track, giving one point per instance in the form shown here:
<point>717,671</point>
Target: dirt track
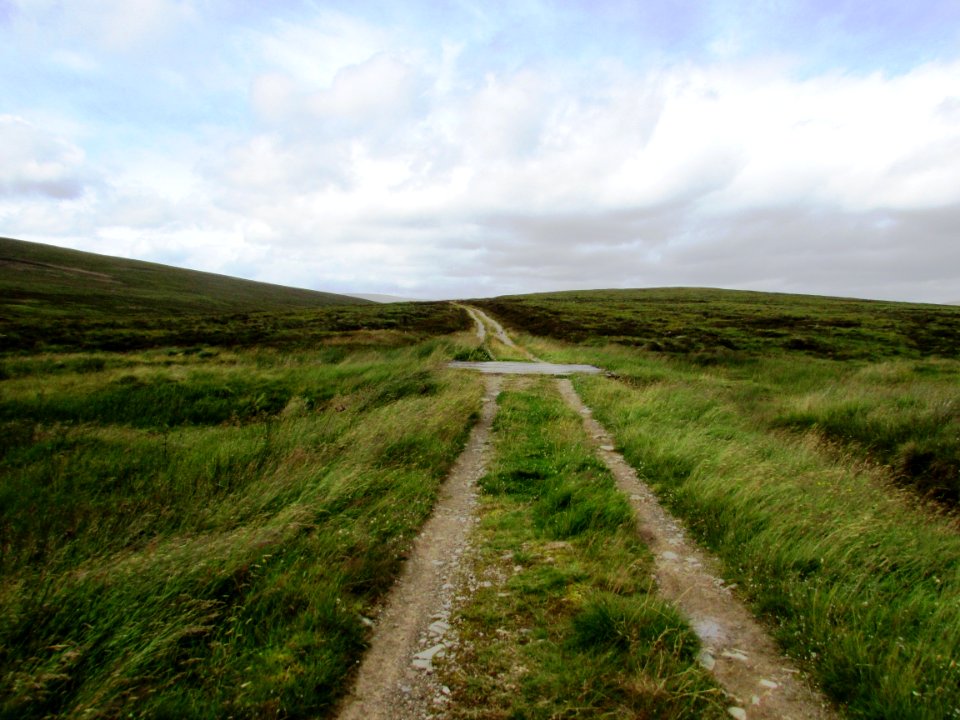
<point>736,649</point>
<point>395,679</point>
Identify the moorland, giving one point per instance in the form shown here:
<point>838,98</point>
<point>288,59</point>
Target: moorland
<point>206,488</point>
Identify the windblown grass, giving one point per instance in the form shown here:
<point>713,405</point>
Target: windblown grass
<point>789,463</point>
<point>880,378</point>
<point>201,535</point>
<point>859,582</point>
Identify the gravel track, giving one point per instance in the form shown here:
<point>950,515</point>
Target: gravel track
<point>395,679</point>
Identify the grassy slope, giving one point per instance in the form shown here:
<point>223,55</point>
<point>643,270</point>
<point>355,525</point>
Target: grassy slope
<point>199,535</point>
<point>720,322</point>
<point>62,300</point>
<point>48,280</point>
<point>785,462</point>
<point>198,531</point>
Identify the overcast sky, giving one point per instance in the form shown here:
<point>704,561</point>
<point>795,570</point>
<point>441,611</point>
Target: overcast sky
<point>455,149</point>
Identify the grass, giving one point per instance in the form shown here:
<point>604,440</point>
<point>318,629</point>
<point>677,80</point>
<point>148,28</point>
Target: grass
<point>351,325</point>
<point>201,497</point>
<point>200,534</point>
<point>719,325</point>
<point>825,485</point>
<point>45,280</point>
<point>878,384</point>
<point>858,582</point>
<point>565,622</point>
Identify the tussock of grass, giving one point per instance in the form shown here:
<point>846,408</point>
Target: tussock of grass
<point>202,540</point>
<point>568,624</point>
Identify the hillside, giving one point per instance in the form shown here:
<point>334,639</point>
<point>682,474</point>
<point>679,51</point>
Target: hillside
<point>54,299</point>
<point>709,322</point>
<point>36,278</point>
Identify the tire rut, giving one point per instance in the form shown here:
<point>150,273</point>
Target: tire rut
<point>737,650</point>
<point>395,679</point>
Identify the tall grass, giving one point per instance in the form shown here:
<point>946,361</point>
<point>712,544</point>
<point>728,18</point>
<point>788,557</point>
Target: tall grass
<point>860,583</point>
<point>203,538</point>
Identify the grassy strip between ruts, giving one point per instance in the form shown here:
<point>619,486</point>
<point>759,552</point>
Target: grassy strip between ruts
<point>564,621</point>
<point>199,536</point>
<point>862,584</point>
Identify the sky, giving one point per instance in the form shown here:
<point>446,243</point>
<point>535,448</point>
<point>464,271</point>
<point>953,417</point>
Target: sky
<point>453,149</point>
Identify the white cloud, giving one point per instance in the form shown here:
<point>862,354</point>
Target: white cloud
<point>34,162</point>
<point>114,25</point>
<point>352,156</point>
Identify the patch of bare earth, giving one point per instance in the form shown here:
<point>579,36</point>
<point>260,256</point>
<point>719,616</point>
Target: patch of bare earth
<point>759,680</point>
<point>395,679</point>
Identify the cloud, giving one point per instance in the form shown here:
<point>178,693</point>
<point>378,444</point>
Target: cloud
<point>114,25</point>
<point>36,163</point>
<point>326,149</point>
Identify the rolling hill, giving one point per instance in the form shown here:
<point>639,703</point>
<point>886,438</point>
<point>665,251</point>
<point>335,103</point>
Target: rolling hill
<point>37,278</point>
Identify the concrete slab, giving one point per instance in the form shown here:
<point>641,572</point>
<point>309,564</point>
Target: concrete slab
<point>524,368</point>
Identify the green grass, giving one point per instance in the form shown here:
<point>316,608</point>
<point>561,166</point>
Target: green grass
<point>200,534</point>
<point>200,498</point>
<point>825,481</point>
<point>858,582</point>
<point>37,279</point>
<point>724,325</point>
<point>568,624</point>
<point>883,384</point>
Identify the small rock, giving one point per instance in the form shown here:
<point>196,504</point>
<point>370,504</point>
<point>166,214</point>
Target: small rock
<point>737,712</point>
<point>706,660</point>
<point>438,628</point>
<point>367,622</point>
<point>755,699</point>
<point>608,448</point>
<point>518,568</point>
<point>431,652</point>
<point>734,655</point>
<point>769,684</point>
<point>668,555</point>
